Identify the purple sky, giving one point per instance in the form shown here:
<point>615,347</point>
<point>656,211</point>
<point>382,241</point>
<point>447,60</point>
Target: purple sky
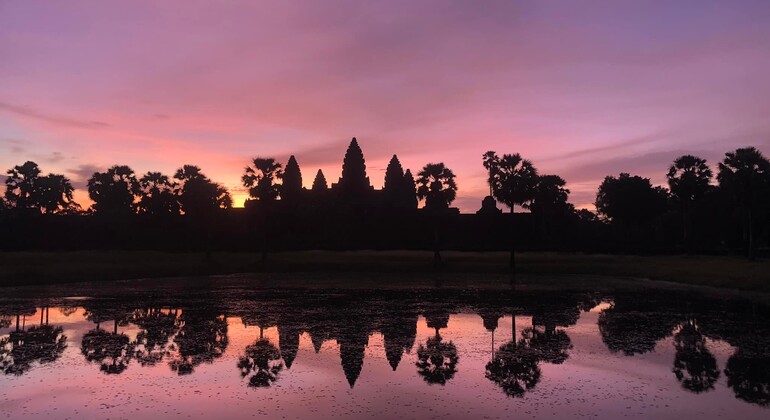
<point>584,89</point>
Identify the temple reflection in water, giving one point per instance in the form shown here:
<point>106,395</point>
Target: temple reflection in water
<point>187,332</point>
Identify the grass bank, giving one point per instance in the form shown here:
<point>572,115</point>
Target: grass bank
<point>28,268</point>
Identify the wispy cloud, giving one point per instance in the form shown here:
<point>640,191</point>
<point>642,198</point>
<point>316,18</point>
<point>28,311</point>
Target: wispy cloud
<point>58,120</point>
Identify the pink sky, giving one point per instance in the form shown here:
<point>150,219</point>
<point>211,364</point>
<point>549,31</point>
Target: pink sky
<point>583,89</point>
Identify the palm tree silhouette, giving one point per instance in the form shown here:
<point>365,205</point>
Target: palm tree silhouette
<point>514,181</point>
<point>689,180</point>
<point>437,186</point>
<point>745,173</point>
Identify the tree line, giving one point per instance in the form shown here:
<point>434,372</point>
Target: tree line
<point>628,205</point>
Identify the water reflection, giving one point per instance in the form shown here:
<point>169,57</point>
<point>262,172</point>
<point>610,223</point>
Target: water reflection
<point>183,333</point>
<point>437,359</point>
<point>26,346</point>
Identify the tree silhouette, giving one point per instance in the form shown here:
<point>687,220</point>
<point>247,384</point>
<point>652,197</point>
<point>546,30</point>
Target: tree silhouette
<point>20,185</point>
<point>694,365</point>
<point>291,187</point>
<point>748,374</point>
<point>200,197</point>
<point>514,368</point>
<point>437,360</point>
<point>260,179</point>
<point>264,360</point>
<point>157,328</point>
<point>201,200</point>
<point>159,195</point>
<point>630,200</point>
<point>745,174</point>
<point>630,328</point>
<point>26,189</point>
<point>113,351</point>
<point>438,188</point>
<point>490,161</point>
<point>55,194</point>
<point>202,338</point>
<point>114,191</point>
<point>689,180</point>
<point>549,344</point>
<point>549,202</point>
<point>21,349</point>
<point>514,181</point>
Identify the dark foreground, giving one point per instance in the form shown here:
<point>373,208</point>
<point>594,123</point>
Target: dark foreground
<point>238,346</point>
<point>25,268</point>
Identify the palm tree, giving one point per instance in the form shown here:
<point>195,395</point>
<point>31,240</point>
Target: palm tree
<point>260,179</point>
<point>689,179</point>
<point>490,160</point>
<point>514,181</point>
<point>159,195</point>
<point>437,186</point>
<point>745,173</point>
<point>114,191</point>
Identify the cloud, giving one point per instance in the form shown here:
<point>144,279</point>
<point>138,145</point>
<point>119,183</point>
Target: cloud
<point>82,173</point>
<point>49,118</point>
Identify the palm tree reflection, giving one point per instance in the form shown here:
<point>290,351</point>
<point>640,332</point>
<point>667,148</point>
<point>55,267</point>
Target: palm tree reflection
<point>694,365</point>
<point>264,360</point>
<point>437,360</point>
<point>24,347</point>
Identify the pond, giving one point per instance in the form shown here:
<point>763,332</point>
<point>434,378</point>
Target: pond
<point>449,353</point>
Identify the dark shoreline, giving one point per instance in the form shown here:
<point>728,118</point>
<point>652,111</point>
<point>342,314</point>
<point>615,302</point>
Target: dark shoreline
<point>47,268</point>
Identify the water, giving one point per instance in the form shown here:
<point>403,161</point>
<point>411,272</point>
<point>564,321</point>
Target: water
<point>126,351</point>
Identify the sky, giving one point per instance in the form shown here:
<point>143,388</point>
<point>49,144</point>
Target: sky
<point>583,89</point>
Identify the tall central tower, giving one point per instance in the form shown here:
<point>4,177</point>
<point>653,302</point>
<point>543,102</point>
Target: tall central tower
<point>354,182</point>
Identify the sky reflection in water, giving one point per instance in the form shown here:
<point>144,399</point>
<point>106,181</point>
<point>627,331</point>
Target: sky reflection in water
<point>384,354</point>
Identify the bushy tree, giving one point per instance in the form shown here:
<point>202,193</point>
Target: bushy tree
<point>630,200</point>
<point>550,196</point>
<point>26,189</point>
<point>199,195</point>
<point>159,195</point>
<point>114,191</point>
<point>20,185</point>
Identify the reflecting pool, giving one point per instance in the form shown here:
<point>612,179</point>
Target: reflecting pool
<point>449,353</point>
